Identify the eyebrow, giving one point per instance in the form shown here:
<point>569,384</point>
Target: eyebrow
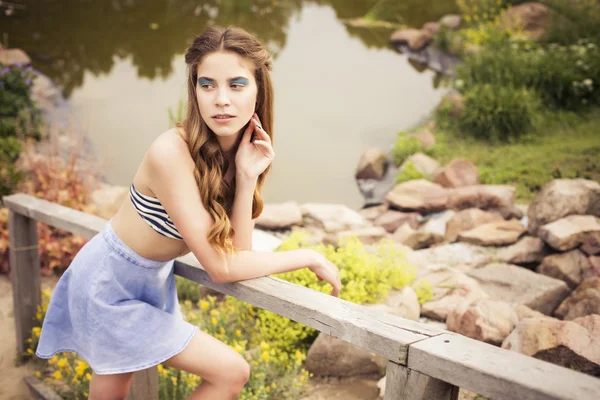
<point>230,79</point>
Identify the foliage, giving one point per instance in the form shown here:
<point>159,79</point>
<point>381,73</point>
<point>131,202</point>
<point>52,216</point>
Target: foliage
<point>404,147</point>
<point>408,172</point>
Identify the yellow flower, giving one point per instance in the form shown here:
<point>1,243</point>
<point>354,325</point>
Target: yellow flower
<point>160,367</point>
<point>265,356</point>
<point>81,368</point>
<point>204,304</point>
<point>238,333</point>
<point>174,380</point>
<point>29,351</point>
<point>38,315</point>
<point>38,374</point>
<point>213,320</point>
<point>36,331</point>
<point>88,376</point>
<point>62,362</point>
<point>267,388</point>
<point>74,380</point>
<point>214,312</point>
<point>57,375</point>
<point>86,394</point>
<point>264,346</point>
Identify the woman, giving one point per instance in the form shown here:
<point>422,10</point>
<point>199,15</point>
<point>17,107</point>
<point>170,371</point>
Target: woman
<point>197,189</point>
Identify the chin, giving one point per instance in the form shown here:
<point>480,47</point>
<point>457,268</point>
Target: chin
<point>225,131</point>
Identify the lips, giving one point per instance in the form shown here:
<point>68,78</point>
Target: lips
<point>222,118</point>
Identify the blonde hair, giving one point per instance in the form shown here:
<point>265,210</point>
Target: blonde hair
<point>217,195</point>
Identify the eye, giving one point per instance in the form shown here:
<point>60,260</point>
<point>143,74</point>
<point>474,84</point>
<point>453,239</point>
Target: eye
<point>236,85</point>
<point>206,85</point>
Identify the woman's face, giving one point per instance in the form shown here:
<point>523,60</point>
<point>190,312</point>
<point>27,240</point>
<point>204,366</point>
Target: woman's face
<point>226,93</point>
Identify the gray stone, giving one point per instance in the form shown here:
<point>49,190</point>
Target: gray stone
<point>585,300</point>
<point>279,216</point>
<point>569,267</point>
<point>570,232</point>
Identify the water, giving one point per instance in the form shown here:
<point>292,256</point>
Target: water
<point>338,90</point>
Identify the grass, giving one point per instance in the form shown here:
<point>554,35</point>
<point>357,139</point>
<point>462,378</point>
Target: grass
<point>565,146</point>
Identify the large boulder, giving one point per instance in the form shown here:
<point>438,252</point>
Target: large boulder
<point>372,165</point>
<point>571,267</point>
<point>454,254</point>
<point>499,233</point>
<point>518,285</point>
<point>468,219</point>
<point>332,217</point>
<point>527,250</point>
<point>404,303</point>
<point>563,197</point>
<point>531,20</point>
<point>279,216</point>
<point>391,220</point>
<point>570,232</point>
<point>485,197</point>
<point>416,238</point>
<point>486,320</point>
<point>374,212</point>
<point>457,173</point>
<point>416,39</point>
<point>585,300</point>
<point>451,288</point>
<point>424,164</point>
<point>368,235</point>
<point>418,195</point>
<point>330,356</point>
<point>573,344</point>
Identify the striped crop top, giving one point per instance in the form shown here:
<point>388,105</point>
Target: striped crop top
<point>151,211</point>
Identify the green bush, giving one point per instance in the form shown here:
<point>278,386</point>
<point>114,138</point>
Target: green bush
<point>408,172</point>
<point>404,147</point>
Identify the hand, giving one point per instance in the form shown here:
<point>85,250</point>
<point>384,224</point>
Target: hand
<point>328,272</point>
<point>254,156</point>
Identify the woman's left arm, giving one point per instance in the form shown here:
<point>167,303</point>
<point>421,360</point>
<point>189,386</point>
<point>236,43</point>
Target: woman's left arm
<point>241,213</point>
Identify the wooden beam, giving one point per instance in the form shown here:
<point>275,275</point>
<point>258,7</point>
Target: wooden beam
<point>25,274</point>
<point>402,383</point>
<point>144,385</point>
<point>498,373</point>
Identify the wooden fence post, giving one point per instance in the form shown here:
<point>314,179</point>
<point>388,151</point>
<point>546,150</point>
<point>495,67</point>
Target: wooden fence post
<point>144,385</point>
<point>25,272</point>
<point>402,383</point>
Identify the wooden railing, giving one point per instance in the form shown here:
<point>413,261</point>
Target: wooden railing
<point>424,362</point>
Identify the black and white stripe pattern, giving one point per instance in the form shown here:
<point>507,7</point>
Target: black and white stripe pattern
<point>154,213</point>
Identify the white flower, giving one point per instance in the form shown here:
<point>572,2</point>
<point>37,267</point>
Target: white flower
<point>459,83</point>
<point>588,82</point>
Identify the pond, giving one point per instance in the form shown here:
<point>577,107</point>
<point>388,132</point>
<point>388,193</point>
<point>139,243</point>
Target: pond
<point>339,89</point>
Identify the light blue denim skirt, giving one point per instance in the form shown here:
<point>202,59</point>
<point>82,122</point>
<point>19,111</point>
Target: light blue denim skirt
<point>118,310</point>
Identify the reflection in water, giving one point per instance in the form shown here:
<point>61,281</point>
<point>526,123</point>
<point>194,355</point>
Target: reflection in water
<point>338,90</point>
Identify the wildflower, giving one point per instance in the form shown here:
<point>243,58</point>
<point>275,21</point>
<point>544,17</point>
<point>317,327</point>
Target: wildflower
<point>57,375</point>
<point>204,304</point>
<point>265,356</point>
<point>38,374</point>
<point>88,376</point>
<point>214,312</point>
<point>159,368</point>
<point>213,320</point>
<point>29,351</point>
<point>174,380</point>
<point>62,362</point>
<point>238,333</point>
<point>36,331</point>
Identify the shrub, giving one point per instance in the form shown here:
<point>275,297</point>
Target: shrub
<point>408,172</point>
<point>495,112</point>
<point>404,147</point>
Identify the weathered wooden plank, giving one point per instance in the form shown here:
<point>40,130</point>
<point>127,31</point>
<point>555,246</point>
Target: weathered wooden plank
<point>39,390</point>
<point>402,383</point>
<point>375,331</point>
<point>69,219</point>
<point>25,274</point>
<point>496,372</point>
<point>144,385</point>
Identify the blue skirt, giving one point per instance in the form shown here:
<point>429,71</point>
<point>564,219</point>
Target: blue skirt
<point>118,310</point>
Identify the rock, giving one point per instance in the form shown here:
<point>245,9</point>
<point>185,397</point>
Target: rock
<point>108,199</point>
<point>416,239</point>
<point>500,233</point>
<point>486,320</point>
<point>432,27</point>
<point>263,241</point>
<point>468,219</point>
<point>509,212</point>
<point>453,254</point>
<point>570,232</point>
<point>426,138</point>
<point>332,217</point>
<point>374,191</point>
<point>457,173</point>
<point>591,245</point>
<point>368,235</point>
<point>572,344</point>
<point>563,197</point>
<point>391,220</point>
<point>451,21</point>
<point>422,163</point>
<point>372,165</point>
<point>404,303</point>
<point>418,195</point>
<point>595,266</point>
<point>330,356</point>
<point>278,216</point>
<point>518,285</point>
<point>10,57</point>
<point>454,102</point>
<point>485,197</point>
<point>525,312</point>
<point>585,300</point>
<point>568,267</point>
<point>311,234</point>
<point>416,39</point>
<point>372,213</point>
<point>451,288</point>
<point>530,20</point>
<point>527,250</point>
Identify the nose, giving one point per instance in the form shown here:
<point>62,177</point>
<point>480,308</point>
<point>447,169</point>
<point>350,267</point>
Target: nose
<point>222,98</point>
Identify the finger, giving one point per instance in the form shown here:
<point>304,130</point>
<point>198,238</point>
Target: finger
<point>265,148</point>
<point>261,131</point>
<point>336,290</point>
<point>247,136</point>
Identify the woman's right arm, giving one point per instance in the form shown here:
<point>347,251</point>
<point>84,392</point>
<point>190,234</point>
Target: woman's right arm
<point>172,181</point>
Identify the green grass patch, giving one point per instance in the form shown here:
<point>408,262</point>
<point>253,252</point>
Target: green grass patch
<point>565,146</point>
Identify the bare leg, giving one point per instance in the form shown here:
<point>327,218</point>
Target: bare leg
<point>223,370</point>
<point>110,387</point>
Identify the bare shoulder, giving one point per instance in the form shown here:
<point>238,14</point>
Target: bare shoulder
<point>169,149</point>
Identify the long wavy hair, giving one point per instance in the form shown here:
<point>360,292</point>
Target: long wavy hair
<point>217,195</point>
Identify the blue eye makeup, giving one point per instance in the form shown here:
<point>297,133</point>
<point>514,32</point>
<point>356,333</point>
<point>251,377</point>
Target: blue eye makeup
<point>239,81</point>
<point>204,81</point>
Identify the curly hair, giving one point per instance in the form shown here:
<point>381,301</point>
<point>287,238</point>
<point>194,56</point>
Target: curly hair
<point>217,195</point>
